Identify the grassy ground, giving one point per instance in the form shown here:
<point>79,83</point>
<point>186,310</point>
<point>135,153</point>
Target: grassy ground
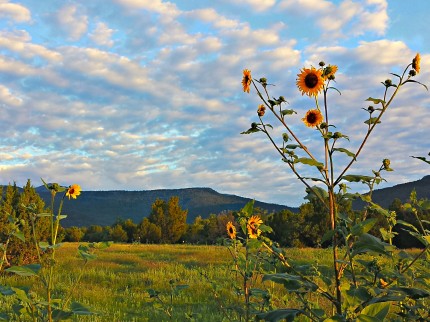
<point>115,284</point>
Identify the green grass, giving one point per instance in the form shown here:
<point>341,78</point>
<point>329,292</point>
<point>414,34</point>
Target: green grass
<point>115,284</point>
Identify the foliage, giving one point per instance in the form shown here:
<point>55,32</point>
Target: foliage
<point>27,306</point>
<point>358,289</point>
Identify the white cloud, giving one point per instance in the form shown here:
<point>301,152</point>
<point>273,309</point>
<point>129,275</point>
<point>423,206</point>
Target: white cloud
<point>14,11</point>
<point>8,98</point>
<point>71,22</point>
<point>102,35</point>
<point>257,5</point>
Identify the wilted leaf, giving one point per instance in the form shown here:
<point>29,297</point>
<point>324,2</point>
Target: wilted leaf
<point>375,100</point>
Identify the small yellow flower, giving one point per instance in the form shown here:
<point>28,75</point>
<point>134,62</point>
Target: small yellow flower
<point>313,118</point>
<point>253,223</point>
<point>416,63</point>
<point>246,80</point>
<point>261,110</point>
<point>310,81</point>
<point>231,230</point>
<point>73,191</point>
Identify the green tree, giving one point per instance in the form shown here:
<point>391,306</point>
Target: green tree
<point>130,228</point>
<point>286,228</point>
<point>148,232</point>
<point>118,234</point>
<point>170,218</point>
<point>74,234</point>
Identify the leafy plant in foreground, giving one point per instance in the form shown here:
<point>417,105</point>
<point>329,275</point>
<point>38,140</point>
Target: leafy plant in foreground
<point>354,288</point>
<point>27,306</point>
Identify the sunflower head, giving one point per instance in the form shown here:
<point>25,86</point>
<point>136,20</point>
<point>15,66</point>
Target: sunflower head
<point>231,230</point>
<point>261,110</point>
<point>246,80</point>
<point>73,191</point>
<point>416,63</point>
<point>253,223</point>
<point>313,118</point>
<point>310,81</point>
<point>329,71</point>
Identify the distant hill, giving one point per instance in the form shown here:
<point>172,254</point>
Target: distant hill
<point>384,197</point>
<point>105,207</point>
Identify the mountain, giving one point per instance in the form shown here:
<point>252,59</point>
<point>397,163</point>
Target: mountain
<point>105,207</point>
<point>384,197</point>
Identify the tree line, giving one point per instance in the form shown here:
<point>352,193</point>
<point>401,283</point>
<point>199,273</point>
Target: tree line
<point>167,223</point>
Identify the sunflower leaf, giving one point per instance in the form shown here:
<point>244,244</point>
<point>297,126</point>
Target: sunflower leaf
<point>421,158</point>
<point>372,120</point>
<point>251,130</point>
<point>396,75</point>
<point>309,161</point>
<point>292,146</point>
<point>376,100</point>
<point>349,153</point>
<point>288,112</point>
<point>414,81</point>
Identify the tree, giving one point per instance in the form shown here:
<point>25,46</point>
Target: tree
<point>74,234</point>
<point>148,232</point>
<point>118,234</point>
<point>170,218</point>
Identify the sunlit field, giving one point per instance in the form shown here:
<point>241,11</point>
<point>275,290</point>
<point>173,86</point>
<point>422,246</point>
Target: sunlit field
<point>115,284</point>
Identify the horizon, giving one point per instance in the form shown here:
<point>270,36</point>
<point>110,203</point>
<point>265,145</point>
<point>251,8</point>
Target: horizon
<point>135,95</point>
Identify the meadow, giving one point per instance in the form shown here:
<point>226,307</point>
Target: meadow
<point>116,284</point>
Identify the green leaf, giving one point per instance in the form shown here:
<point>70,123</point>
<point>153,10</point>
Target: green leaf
<point>310,162</point>
<point>349,153</point>
<point>328,235</point>
<point>288,112</point>
<point>291,282</point>
<point>4,317</point>
<point>377,310</point>
<point>372,120</point>
<point>19,235</point>
<point>80,309</point>
<point>26,270</point>
<point>43,245</point>
<point>6,290</point>
<point>357,178</point>
<point>248,209</point>
<point>422,159</point>
<point>363,227</point>
<point>376,100</point>
<point>251,130</point>
<point>280,314</point>
<point>414,81</point>
<point>44,214</point>
<point>414,293</point>
<point>59,315</point>
<point>368,243</point>
<point>292,146</point>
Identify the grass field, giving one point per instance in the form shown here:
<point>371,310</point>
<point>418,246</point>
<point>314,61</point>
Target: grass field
<point>115,284</point>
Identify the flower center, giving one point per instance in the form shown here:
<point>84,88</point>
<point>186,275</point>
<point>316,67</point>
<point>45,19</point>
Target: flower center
<point>311,80</point>
<point>312,118</point>
<point>71,191</point>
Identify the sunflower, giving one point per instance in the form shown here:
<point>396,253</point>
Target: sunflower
<point>253,223</point>
<point>416,63</point>
<point>246,80</point>
<point>73,191</point>
<point>329,72</point>
<point>231,230</point>
<point>313,118</point>
<point>310,81</point>
<point>261,110</point>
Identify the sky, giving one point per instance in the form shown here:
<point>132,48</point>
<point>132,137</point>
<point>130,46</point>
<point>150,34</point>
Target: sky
<point>147,94</point>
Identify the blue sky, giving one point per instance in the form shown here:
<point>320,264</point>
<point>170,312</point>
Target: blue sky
<point>146,94</point>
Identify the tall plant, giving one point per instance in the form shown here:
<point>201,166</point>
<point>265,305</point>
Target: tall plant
<point>360,289</point>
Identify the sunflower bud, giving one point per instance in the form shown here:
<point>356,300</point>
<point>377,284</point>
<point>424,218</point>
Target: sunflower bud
<point>321,63</point>
<point>323,125</point>
<point>412,73</point>
<point>281,99</point>
<point>285,137</point>
<point>337,135</point>
<point>371,109</point>
<point>331,77</point>
<point>254,125</point>
<point>386,163</point>
<point>388,82</point>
